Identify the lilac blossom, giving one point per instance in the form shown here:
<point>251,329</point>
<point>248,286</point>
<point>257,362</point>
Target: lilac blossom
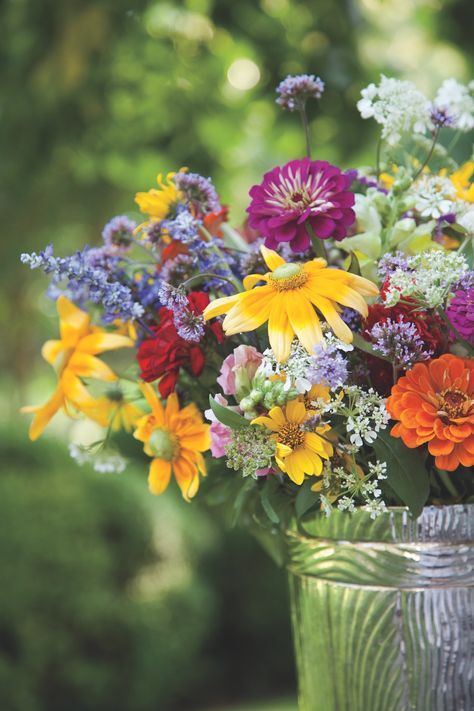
<point>294,91</point>
<point>400,341</point>
<point>328,366</point>
<point>199,191</point>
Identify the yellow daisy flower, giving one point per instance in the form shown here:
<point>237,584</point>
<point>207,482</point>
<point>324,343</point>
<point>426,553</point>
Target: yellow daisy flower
<point>115,411</point>
<point>175,439</point>
<point>461,179</point>
<point>298,452</point>
<point>74,356</point>
<point>287,302</point>
<point>157,203</point>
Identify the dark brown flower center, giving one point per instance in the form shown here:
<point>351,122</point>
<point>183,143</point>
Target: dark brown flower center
<point>454,404</point>
<point>297,197</point>
<point>292,435</point>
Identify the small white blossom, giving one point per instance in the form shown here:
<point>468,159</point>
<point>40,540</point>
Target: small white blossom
<point>458,99</point>
<point>375,507</point>
<point>103,462</point>
<point>428,277</point>
<point>434,196</point>
<point>466,218</point>
<point>397,105</point>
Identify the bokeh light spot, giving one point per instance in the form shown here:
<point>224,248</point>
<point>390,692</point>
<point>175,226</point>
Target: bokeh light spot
<point>243,74</point>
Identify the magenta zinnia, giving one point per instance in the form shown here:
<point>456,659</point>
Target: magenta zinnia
<point>461,313</point>
<point>301,197</point>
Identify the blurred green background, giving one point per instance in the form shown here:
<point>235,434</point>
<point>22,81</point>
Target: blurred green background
<point>111,599</point>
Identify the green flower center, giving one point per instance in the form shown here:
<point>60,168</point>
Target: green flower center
<point>288,276</point>
<point>163,444</point>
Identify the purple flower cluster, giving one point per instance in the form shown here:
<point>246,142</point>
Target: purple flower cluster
<point>183,227</point>
<point>190,326</point>
<point>440,117</point>
<point>461,313</point>
<point>356,176</point>
<point>391,262</point>
<point>302,197</point>
<point>328,367</point>
<point>294,91</point>
<point>199,192</point>
<point>118,233</point>
<point>88,275</point>
<point>400,341</point>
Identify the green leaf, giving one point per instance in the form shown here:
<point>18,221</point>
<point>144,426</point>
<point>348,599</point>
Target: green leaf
<point>354,266</point>
<point>267,505</point>
<point>227,416</point>
<point>406,471</point>
<point>365,346</point>
<point>305,498</point>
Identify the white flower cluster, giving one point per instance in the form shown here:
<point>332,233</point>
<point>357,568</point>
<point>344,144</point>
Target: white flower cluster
<point>466,217</point>
<point>428,278</point>
<point>346,487</point>
<point>102,462</point>
<point>433,196</point>
<point>364,412</point>
<point>397,105</point>
<point>458,99</point>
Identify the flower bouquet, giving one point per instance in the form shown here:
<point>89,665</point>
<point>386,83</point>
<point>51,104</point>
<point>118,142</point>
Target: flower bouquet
<point>317,363</point>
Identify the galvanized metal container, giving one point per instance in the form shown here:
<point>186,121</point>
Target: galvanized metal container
<point>383,610</point>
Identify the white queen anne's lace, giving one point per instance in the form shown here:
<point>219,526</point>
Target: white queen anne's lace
<point>434,196</point>
<point>459,100</point>
<point>397,105</point>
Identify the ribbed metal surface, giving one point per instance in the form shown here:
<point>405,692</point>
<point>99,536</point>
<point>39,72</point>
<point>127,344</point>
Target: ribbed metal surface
<point>383,611</point>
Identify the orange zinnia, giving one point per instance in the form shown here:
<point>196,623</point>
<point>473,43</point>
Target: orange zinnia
<point>435,404</point>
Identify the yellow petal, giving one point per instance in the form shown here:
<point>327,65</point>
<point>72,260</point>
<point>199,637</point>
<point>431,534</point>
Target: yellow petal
<point>74,322</point>
<point>250,311</point>
<point>51,350</point>
<point>75,391</point>
<point>172,407</point>
<point>294,471</point>
<point>312,441</point>
<point>200,441</point>
<point>44,413</point>
<point>304,321</point>
<point>266,422</point>
<point>341,329</point>
<point>220,306</point>
<point>283,450</point>
<point>276,413</point>
<point>303,460</point>
<point>295,411</point>
<point>155,403</point>
<point>252,279</point>
<point>88,366</point>
<point>187,476</point>
<point>362,285</point>
<point>280,332</point>
<point>159,476</point>
<point>272,259</point>
<point>100,342</point>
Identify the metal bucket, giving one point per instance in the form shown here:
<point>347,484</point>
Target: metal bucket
<point>383,610</point>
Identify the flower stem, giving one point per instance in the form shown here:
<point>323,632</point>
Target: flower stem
<point>318,244</point>
<point>209,275</point>
<point>377,156</point>
<point>430,153</point>
<point>304,121</point>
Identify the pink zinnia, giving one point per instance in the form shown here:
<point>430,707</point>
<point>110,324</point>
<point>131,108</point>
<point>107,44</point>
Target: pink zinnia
<point>300,195</point>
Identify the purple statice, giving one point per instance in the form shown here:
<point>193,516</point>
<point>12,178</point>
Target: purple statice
<point>199,192</point>
<point>328,366</point>
<point>172,297</point>
<point>183,227</point>
<point>351,318</point>
<point>118,234</point>
<point>390,263</point>
<point>300,198</point>
<point>400,341</point>
<point>190,326</point>
<point>440,117</point>
<point>86,278</point>
<point>461,313</point>
<point>294,91</point>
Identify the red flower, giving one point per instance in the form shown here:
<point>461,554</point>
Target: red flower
<point>430,328</point>
<point>164,355</point>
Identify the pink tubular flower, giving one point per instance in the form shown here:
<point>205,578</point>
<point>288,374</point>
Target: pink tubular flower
<point>239,368</point>
<point>220,436</point>
<point>301,194</point>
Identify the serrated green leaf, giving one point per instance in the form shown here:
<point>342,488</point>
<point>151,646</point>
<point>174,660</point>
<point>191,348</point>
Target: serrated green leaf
<point>406,472</point>
<point>227,416</point>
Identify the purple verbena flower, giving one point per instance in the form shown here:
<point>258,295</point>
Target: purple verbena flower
<point>328,366</point>
<point>190,326</point>
<point>172,297</point>
<point>199,191</point>
<point>118,233</point>
<point>440,116</point>
<point>294,91</point>
<point>461,313</point>
<point>391,262</point>
<point>176,270</point>
<point>400,341</point>
<point>300,196</point>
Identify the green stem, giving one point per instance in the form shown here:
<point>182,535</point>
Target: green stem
<point>377,156</point>
<point>208,237</point>
<point>318,244</point>
<point>304,121</point>
<point>205,275</point>
<point>446,480</point>
<point>430,153</point>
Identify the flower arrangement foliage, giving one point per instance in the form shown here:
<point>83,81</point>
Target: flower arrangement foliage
<point>322,356</point>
